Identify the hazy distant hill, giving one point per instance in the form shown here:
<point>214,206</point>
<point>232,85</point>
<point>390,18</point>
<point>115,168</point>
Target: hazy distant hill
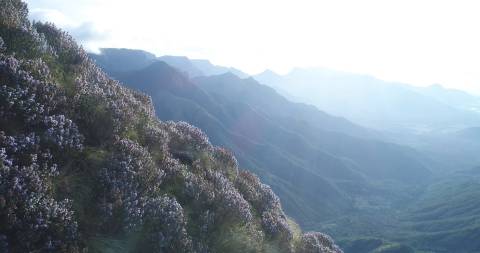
<point>209,69</point>
<point>120,60</point>
<point>182,64</point>
<point>198,67</point>
<point>455,98</point>
<point>373,102</point>
<point>321,166</point>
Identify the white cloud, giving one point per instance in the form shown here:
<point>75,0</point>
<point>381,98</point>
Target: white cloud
<point>50,15</point>
<point>84,32</point>
<point>419,42</point>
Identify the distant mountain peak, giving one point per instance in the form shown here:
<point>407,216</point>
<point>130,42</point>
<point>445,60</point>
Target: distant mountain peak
<point>269,72</point>
<point>436,86</point>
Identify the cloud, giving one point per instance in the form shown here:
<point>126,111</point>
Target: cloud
<point>50,15</point>
<point>86,32</point>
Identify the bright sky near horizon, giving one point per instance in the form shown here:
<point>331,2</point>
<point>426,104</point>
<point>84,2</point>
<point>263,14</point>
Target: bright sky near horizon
<point>420,42</point>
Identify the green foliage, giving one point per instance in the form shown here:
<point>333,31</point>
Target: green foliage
<point>237,239</point>
<point>97,122</point>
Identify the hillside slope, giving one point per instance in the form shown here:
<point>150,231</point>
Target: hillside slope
<point>446,218</point>
<point>85,166</point>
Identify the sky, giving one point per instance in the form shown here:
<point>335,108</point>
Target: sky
<point>419,42</point>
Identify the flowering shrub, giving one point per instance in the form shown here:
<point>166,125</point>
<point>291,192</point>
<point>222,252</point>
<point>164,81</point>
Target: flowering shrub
<point>230,202</point>
<point>266,203</point>
<point>33,219</point>
<point>156,138</point>
<point>23,97</point>
<point>226,162</point>
<point>208,187</point>
<point>13,13</point>
<point>63,132</point>
<point>123,106</point>
<point>187,141</point>
<point>199,189</point>
<point>37,68</point>
<point>315,242</point>
<point>167,226</point>
<point>128,182</point>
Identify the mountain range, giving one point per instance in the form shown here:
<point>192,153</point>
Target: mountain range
<point>331,174</point>
<point>427,119</point>
<point>378,104</point>
<point>122,60</point>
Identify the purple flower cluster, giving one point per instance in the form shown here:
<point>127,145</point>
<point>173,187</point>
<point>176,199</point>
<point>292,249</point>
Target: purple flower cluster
<point>63,132</point>
<point>315,242</point>
<point>131,186</point>
<point>156,137</point>
<point>198,188</point>
<point>226,162</point>
<point>13,14</point>
<point>266,203</point>
<point>129,182</point>
<point>125,106</point>
<point>37,68</point>
<point>33,219</point>
<point>187,137</point>
<point>23,97</point>
<point>24,150</point>
<point>230,202</point>
<point>211,187</point>
<point>165,217</point>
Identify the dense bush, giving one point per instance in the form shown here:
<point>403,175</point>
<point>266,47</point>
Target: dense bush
<point>31,219</point>
<point>266,203</point>
<point>83,160</point>
<point>13,14</point>
<point>313,242</point>
<point>128,184</point>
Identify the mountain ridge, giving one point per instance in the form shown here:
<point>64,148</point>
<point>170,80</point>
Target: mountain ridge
<point>369,101</point>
